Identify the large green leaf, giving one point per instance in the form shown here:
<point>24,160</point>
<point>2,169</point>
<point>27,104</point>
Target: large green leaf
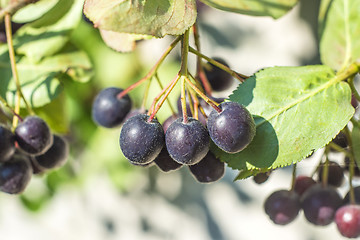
<point>33,11</point>
<point>296,110</point>
<point>340,33</point>
<point>37,41</point>
<point>152,17</point>
<point>41,82</point>
<point>272,8</point>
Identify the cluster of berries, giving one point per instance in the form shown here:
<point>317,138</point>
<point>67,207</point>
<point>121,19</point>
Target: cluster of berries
<point>179,140</point>
<point>319,199</point>
<point>31,149</point>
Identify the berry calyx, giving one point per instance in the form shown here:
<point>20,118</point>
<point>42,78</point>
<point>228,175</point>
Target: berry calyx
<point>187,143</point>
<point>233,128</point>
<point>108,110</point>
<point>141,141</point>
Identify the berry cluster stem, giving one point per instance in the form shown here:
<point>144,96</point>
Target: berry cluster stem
<point>203,96</point>
<point>325,173</point>
<point>239,76</point>
<point>293,179</point>
<point>183,101</point>
<point>351,165</point>
<point>15,74</point>
<point>153,70</point>
<point>168,101</point>
<point>199,67</point>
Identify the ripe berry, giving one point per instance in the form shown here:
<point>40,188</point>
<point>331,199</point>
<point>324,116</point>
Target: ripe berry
<point>7,144</point>
<point>357,196</point>
<point>303,183</point>
<point>165,162</point>
<point>187,143</point>
<point>209,169</point>
<point>320,204</point>
<point>347,219</point>
<point>233,128</point>
<point>261,177</point>
<point>218,78</point>
<point>108,110</point>
<point>282,206</point>
<point>335,175</point>
<point>56,156</point>
<point>141,141</point>
<point>33,135</point>
<point>15,174</point>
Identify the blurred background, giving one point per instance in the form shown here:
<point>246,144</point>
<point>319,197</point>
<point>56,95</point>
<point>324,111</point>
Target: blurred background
<point>99,195</point>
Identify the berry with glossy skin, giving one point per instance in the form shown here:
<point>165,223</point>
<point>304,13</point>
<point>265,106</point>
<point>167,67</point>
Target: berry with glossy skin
<point>209,169</point>
<point>187,143</point>
<point>108,110</point>
<point>347,219</point>
<point>261,177</point>
<point>303,183</point>
<point>56,156</point>
<point>282,206</point>
<point>7,143</point>
<point>141,141</point>
<point>320,204</point>
<point>33,136</point>
<point>165,162</point>
<point>335,175</point>
<point>233,128</point>
<point>15,174</point>
<point>218,78</point>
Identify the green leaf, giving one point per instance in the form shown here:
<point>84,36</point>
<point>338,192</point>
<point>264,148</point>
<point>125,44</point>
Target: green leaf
<point>340,33</point>
<point>296,110</point>
<point>41,82</point>
<point>272,8</point>
<point>153,17</point>
<point>355,136</point>
<point>33,11</point>
<point>37,42</point>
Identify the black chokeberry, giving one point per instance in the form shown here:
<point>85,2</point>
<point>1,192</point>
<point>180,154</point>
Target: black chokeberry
<point>209,169</point>
<point>7,143</point>
<point>233,128</point>
<point>320,204</point>
<point>56,155</point>
<point>33,135</point>
<point>108,110</point>
<point>335,174</point>
<point>187,142</point>
<point>347,219</point>
<point>165,162</point>
<point>303,183</point>
<point>282,206</point>
<point>141,141</point>
<point>15,174</point>
<point>218,78</point>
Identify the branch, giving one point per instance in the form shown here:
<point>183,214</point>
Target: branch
<point>13,7</point>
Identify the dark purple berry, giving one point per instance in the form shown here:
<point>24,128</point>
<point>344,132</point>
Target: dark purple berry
<point>187,143</point>
<point>320,204</point>
<point>233,128</point>
<point>340,140</point>
<point>218,78</point>
<point>165,162</point>
<point>141,141</point>
<point>335,174</point>
<point>33,136</point>
<point>169,121</point>
<point>56,156</point>
<point>15,174</point>
<point>7,143</point>
<point>209,169</point>
<point>347,219</point>
<point>303,183</point>
<point>108,110</point>
<point>261,177</point>
<point>356,194</point>
<point>282,206</point>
